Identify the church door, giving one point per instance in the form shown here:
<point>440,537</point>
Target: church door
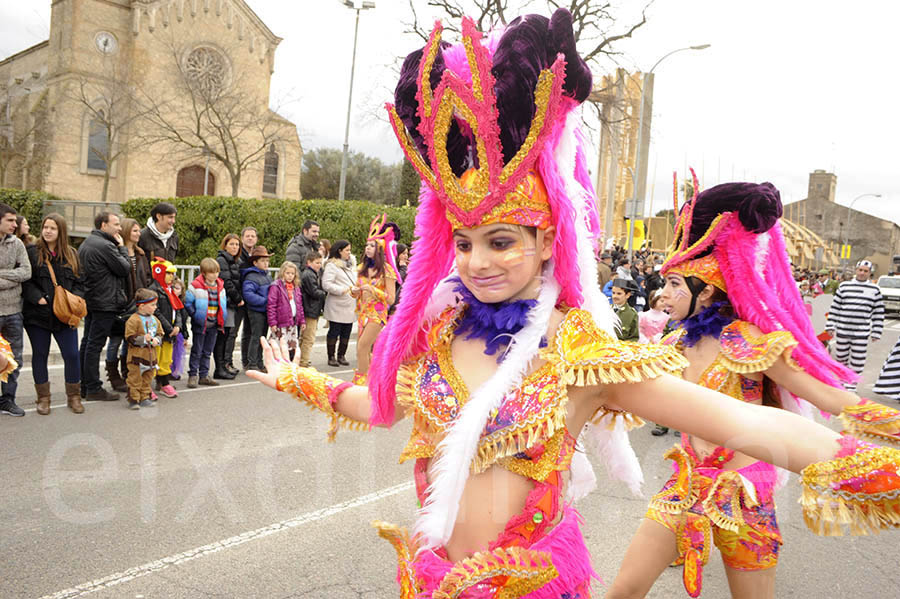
<point>190,182</point>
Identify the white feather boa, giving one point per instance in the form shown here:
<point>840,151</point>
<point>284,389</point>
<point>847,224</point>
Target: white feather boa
<point>453,461</point>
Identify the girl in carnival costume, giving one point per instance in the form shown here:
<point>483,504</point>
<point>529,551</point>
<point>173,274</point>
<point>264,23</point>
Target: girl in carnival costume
<point>503,347</point>
<point>377,282</point>
<point>745,333</point>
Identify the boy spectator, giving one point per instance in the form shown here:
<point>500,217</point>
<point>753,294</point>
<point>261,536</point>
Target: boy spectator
<point>107,269</point>
<point>622,290</point>
<point>159,239</point>
<point>205,301</point>
<point>255,283</point>
<point>15,269</point>
<point>313,303</point>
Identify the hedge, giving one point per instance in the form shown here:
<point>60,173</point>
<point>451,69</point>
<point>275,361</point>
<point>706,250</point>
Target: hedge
<point>28,203</point>
<point>202,222</point>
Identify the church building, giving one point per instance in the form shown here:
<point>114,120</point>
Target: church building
<point>147,98</point>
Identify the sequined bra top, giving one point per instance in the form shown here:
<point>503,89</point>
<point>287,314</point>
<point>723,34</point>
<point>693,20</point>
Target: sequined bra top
<point>741,352</point>
<point>527,434</point>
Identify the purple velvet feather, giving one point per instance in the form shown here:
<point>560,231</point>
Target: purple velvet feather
<point>494,323</point>
<point>758,207</point>
<point>708,322</point>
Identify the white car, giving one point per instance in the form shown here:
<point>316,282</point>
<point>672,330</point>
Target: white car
<point>890,290</point>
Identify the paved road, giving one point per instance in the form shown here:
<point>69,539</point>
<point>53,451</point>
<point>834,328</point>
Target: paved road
<point>232,492</point>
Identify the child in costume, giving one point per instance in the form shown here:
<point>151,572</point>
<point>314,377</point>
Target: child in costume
<point>652,322</point>
<point>143,334</point>
<point>622,292</point>
<point>377,282</point>
<point>745,334</point>
<point>183,335</point>
<point>168,312</point>
<point>503,347</point>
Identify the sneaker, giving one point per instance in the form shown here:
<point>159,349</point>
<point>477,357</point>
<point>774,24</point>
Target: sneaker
<point>133,405</point>
<point>232,370</point>
<point>8,406</point>
<point>192,381</point>
<point>208,382</point>
<point>659,431</point>
<point>153,396</point>
<point>102,394</point>
<point>168,391</point>
<point>147,403</point>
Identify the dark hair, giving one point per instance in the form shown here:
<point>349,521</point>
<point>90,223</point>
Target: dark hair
<point>101,219</point>
<point>311,256</point>
<point>161,209</point>
<point>402,247</point>
<point>335,251</point>
<point>308,224</point>
<point>377,261</point>
<point>758,207</point>
<point>63,249</point>
<point>143,295</point>
<point>6,209</point>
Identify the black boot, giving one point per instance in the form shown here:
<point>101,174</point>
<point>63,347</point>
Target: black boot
<point>116,381</point>
<point>330,342</point>
<point>659,430</point>
<point>342,352</point>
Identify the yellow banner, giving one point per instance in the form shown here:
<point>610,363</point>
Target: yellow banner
<point>640,235</point>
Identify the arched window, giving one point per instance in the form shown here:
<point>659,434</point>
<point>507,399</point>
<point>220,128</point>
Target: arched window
<point>98,144</point>
<point>190,182</point>
<point>270,173</point>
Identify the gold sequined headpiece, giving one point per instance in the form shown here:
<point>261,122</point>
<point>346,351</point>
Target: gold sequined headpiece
<point>490,191</point>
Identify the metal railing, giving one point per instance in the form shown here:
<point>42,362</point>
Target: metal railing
<point>80,215</point>
<point>189,272</point>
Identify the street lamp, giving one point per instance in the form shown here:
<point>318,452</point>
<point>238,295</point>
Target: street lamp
<point>641,181</point>
<point>850,215</point>
<point>363,6</point>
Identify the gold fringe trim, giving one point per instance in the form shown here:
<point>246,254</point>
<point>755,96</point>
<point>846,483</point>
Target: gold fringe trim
<point>589,374</point>
<point>630,421</point>
<point>526,570</point>
<point>872,421</point>
<point>398,537</point>
<point>827,511</point>
<point>683,485</point>
<point>288,376</point>
<point>406,386</point>
<point>497,446</point>
<point>733,484</point>
<point>777,344</point>
<point>541,469</point>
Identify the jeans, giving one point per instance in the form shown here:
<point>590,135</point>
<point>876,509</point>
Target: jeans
<point>97,326</point>
<point>66,341</point>
<point>113,348</point>
<point>259,326</point>
<point>242,322</point>
<point>11,327</point>
<point>204,342</point>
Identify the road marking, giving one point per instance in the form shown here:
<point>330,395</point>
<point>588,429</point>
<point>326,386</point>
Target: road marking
<point>112,580</point>
<point>180,391</point>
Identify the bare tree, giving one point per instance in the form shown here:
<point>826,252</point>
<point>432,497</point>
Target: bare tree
<point>108,99</point>
<point>212,110</point>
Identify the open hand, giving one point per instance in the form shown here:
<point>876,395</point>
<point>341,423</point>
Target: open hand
<point>274,355</point>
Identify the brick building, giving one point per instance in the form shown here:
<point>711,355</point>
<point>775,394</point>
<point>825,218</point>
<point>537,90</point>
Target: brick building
<point>870,237</point>
<point>143,60</point>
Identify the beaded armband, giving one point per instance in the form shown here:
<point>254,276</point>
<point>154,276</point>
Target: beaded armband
<point>872,421</point>
<point>859,488</point>
<point>319,391</point>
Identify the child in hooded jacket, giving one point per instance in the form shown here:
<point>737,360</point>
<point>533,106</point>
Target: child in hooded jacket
<point>206,303</point>
<point>284,307</point>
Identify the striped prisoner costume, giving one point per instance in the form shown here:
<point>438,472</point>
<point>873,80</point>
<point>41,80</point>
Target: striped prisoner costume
<point>888,383</point>
<point>856,314</point>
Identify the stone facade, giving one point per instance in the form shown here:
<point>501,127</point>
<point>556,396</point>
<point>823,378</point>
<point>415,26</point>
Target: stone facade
<point>870,237</point>
<point>136,52</point>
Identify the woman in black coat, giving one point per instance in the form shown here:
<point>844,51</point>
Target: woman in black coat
<point>52,250</point>
<point>229,271</point>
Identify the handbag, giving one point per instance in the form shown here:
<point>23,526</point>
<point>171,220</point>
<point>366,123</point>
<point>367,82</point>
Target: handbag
<point>67,307</point>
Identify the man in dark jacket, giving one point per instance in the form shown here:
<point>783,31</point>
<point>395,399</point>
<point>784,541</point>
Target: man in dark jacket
<point>313,303</point>
<point>159,240</point>
<point>106,267</point>
<point>300,245</point>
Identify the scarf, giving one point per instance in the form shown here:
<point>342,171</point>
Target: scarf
<point>163,237</point>
<point>707,322</point>
<point>494,323</point>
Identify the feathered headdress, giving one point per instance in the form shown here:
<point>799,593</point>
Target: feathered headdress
<point>491,127</point>
<point>729,236</point>
<point>382,232</point>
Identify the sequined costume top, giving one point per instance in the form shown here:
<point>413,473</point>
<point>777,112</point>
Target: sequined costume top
<point>373,306</point>
<point>526,435</point>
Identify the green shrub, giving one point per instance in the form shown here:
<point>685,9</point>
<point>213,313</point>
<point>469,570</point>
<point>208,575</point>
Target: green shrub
<point>202,222</point>
<point>27,203</point>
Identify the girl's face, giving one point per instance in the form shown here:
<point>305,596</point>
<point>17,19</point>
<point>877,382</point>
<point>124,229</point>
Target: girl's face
<point>177,287</point>
<point>50,232</point>
<point>370,249</point>
<point>233,246</point>
<point>135,234</point>
<point>24,228</point>
<point>289,275</point>
<point>403,257</point>
<point>345,253</point>
<point>501,262</point>
<point>676,297</point>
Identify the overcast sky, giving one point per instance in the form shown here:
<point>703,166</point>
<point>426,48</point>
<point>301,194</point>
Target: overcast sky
<point>785,88</point>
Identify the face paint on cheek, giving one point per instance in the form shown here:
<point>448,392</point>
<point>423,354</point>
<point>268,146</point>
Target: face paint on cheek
<point>681,294</point>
